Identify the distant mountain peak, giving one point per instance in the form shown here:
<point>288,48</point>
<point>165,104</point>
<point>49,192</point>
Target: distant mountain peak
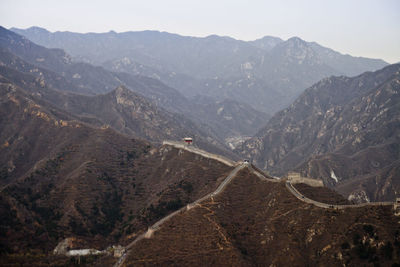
<point>121,89</point>
<point>269,37</point>
<point>297,41</point>
<point>297,50</point>
<point>31,30</point>
<point>219,37</point>
<point>266,42</point>
<point>36,29</point>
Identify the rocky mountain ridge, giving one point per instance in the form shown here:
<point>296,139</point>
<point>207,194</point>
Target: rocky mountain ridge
<point>341,130</point>
<point>121,109</point>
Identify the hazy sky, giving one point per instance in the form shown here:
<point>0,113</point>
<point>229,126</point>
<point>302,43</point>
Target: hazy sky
<point>369,28</point>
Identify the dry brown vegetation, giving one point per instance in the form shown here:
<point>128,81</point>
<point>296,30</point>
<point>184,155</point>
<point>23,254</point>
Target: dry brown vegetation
<point>256,222</point>
<point>322,194</point>
<point>65,178</point>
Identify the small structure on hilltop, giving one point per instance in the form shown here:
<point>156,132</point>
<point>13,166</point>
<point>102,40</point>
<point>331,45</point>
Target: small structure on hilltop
<point>296,178</point>
<point>118,251</point>
<point>188,140</point>
<point>396,206</point>
<point>293,176</point>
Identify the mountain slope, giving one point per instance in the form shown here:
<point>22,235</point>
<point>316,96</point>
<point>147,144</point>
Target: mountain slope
<point>63,178</point>
<point>134,115</point>
<point>341,130</point>
<point>121,109</point>
<point>294,64</point>
<point>254,222</point>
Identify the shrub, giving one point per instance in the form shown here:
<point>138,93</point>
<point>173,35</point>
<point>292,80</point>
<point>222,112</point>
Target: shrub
<point>369,229</point>
<point>3,173</point>
<point>387,250</point>
<point>345,245</point>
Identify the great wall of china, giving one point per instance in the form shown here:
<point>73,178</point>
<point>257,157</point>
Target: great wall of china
<point>293,178</point>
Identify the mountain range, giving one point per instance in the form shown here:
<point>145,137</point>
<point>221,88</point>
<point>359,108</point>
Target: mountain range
<point>221,121</point>
<point>267,74</point>
<point>84,78</point>
<point>83,164</point>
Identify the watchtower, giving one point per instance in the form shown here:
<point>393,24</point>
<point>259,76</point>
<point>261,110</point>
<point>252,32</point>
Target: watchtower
<point>294,176</point>
<point>188,140</point>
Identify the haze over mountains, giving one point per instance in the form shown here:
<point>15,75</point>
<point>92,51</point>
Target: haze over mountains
<point>83,118</point>
<point>267,74</point>
<point>88,79</point>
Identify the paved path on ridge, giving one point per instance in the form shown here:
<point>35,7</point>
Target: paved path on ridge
<point>221,187</point>
<point>156,226</point>
<point>303,198</point>
<point>193,149</point>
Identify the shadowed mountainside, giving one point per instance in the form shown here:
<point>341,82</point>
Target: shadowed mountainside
<point>343,130</point>
<point>121,109</point>
<point>64,178</point>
